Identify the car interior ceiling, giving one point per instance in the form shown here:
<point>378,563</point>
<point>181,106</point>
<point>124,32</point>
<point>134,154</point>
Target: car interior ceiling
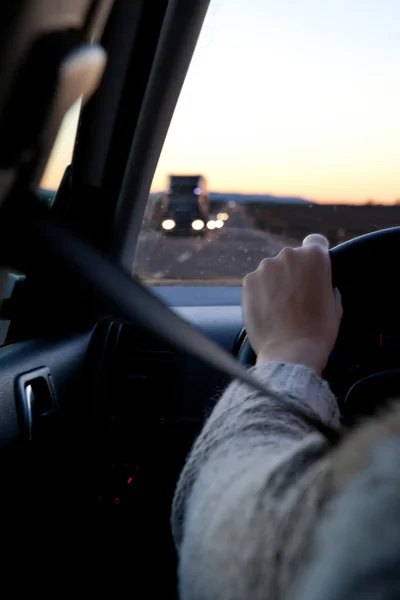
<point>103,389</point>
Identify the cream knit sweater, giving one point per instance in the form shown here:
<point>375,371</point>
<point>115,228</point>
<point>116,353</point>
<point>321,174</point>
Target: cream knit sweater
<point>255,483</point>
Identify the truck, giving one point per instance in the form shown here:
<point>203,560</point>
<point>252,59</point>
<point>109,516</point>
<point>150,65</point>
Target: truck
<point>185,207</point>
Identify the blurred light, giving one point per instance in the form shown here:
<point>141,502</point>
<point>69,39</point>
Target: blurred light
<point>231,204</point>
<point>223,216</point>
<point>130,480</point>
<point>211,225</point>
<point>168,224</point>
<point>197,191</point>
<point>116,501</point>
<point>219,223</point>
<point>198,225</point>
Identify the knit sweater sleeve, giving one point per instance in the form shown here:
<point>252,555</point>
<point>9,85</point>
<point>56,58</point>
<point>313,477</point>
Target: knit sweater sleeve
<point>251,487</point>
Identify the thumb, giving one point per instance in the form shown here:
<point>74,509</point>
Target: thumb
<point>315,239</point>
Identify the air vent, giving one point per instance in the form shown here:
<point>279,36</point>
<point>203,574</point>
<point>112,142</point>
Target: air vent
<point>146,376</point>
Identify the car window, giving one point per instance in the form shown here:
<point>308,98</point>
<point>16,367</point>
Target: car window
<point>287,124</point>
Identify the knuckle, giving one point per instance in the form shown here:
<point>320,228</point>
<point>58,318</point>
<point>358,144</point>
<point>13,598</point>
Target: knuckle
<point>286,252</point>
<point>247,279</point>
<point>265,264</point>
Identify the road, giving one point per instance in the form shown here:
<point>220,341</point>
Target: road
<point>224,255</point>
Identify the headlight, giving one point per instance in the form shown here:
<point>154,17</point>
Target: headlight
<point>168,224</point>
<point>198,225</point>
<point>223,216</point>
<point>211,225</point>
<point>219,223</point>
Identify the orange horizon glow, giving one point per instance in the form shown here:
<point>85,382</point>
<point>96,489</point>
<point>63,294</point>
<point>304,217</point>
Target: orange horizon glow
<point>293,194</point>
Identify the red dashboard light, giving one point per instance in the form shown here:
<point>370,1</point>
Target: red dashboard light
<point>116,501</point>
<point>130,480</point>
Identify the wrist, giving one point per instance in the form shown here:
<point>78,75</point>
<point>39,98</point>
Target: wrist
<point>301,352</point>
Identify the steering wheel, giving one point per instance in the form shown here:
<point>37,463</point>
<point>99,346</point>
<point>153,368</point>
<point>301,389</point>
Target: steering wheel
<point>363,270</point>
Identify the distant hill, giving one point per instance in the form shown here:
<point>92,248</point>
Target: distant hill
<point>252,198</point>
<point>222,197</point>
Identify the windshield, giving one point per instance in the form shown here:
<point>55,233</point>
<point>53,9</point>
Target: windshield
<point>290,112</point>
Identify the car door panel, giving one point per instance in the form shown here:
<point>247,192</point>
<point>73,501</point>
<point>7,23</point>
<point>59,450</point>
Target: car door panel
<point>64,358</point>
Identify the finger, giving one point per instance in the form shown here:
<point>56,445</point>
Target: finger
<point>315,239</point>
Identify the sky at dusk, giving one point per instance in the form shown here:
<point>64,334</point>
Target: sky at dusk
<point>296,97</point>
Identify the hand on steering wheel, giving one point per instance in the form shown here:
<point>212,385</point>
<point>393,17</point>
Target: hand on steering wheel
<point>290,310</point>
